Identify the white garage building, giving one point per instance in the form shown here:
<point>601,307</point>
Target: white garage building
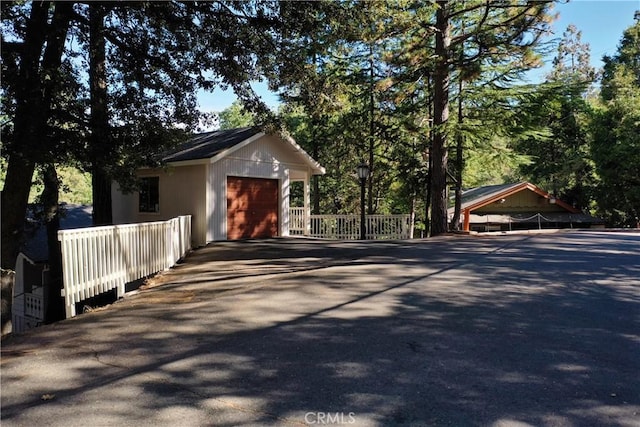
<point>235,184</point>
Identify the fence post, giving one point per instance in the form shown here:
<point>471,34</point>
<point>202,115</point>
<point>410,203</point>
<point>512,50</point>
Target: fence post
<point>67,271</point>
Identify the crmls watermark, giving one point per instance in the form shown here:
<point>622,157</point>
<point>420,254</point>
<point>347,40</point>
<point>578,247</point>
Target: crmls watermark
<point>324,418</point>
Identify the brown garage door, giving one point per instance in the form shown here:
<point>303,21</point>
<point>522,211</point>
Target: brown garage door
<point>252,207</point>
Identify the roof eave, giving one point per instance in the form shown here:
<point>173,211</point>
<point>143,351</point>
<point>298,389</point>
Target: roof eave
<point>316,168</point>
<point>184,163</point>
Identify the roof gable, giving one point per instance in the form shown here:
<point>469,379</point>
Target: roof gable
<point>213,146</point>
<point>476,198</point>
<point>477,194</point>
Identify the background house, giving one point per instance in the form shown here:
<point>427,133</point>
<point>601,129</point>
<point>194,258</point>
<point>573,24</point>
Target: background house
<point>29,301</point>
<point>518,206</point>
<point>235,184</point>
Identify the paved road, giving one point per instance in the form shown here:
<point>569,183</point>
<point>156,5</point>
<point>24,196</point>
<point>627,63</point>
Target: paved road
<point>515,330</point>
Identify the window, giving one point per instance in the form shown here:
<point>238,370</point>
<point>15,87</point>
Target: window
<point>149,194</point>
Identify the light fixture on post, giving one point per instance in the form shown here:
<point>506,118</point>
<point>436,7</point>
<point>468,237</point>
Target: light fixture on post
<point>363,174</point>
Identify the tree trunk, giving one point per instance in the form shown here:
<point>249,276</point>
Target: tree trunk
<point>315,181</point>
<point>55,302</point>
<point>427,196</point>
<point>99,121</point>
<point>33,95</point>
<point>372,130</point>
<point>412,215</point>
<point>441,116</point>
<point>427,204</point>
<point>455,221</point>
<point>21,166</point>
<point>15,197</point>
<point>101,190</point>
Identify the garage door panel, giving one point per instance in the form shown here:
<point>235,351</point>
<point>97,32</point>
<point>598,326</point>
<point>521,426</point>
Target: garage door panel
<point>252,207</point>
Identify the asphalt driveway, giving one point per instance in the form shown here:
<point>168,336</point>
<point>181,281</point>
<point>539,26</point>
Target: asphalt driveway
<point>515,330</point>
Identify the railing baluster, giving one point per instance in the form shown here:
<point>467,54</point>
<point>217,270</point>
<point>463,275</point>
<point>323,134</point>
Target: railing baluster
<point>348,226</point>
<point>98,259</point>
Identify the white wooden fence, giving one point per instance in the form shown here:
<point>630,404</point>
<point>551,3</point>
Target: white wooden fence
<point>348,226</point>
<point>99,259</point>
<point>297,221</point>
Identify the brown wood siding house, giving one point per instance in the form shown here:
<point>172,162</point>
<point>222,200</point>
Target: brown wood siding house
<point>518,206</point>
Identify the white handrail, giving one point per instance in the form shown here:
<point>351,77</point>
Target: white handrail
<point>99,259</point>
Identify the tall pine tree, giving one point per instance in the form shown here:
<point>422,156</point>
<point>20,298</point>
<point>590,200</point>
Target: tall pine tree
<point>615,143</point>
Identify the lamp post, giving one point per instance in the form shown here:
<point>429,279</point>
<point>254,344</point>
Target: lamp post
<point>363,174</point>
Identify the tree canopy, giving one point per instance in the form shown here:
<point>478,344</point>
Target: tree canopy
<point>235,116</point>
<point>106,85</point>
<point>615,129</point>
<point>404,86</point>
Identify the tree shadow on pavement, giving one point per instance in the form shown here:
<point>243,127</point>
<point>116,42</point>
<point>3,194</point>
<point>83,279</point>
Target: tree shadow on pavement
<point>536,331</point>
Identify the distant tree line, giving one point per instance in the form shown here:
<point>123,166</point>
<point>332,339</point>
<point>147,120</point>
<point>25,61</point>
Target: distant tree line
<point>433,116</point>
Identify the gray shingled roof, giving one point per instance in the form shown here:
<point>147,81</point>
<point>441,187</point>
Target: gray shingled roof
<point>35,245</point>
<point>207,145</point>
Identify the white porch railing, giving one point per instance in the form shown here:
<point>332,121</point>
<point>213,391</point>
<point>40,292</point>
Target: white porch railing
<point>99,259</point>
<point>348,226</point>
<point>297,223</point>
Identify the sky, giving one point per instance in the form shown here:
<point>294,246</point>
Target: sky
<point>602,23</point>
